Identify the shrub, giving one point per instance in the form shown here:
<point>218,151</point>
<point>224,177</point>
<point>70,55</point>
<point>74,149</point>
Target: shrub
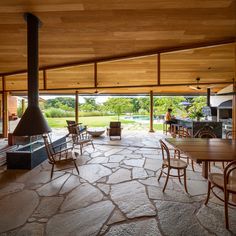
<point>19,112</point>
<point>93,113</point>
<point>57,112</point>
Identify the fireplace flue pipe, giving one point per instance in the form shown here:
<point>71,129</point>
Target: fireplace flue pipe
<point>32,122</point>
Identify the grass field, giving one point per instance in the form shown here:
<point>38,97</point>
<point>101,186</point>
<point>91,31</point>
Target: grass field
<point>92,121</point>
<point>98,121</point>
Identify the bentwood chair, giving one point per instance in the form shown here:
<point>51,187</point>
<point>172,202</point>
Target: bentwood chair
<point>169,163</point>
<point>205,132</point>
<point>227,183</point>
<point>209,134</point>
<point>59,156</point>
<point>183,133</point>
<point>79,138</point>
<point>229,134</point>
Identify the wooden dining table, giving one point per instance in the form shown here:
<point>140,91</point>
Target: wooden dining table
<point>205,150</point>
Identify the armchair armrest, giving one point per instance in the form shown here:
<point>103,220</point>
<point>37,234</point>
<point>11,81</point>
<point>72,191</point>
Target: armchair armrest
<point>59,145</point>
<point>63,151</point>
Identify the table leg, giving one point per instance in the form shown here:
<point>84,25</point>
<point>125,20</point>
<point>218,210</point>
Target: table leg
<point>205,168</point>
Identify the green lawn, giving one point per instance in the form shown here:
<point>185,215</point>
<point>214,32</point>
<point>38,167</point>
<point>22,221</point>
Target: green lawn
<point>96,121</point>
<point>92,121</point>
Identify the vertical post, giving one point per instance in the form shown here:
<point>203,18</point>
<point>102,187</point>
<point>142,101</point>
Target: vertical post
<point>5,115</point>
<point>208,97</point>
<point>234,107</point>
<point>151,112</point>
<point>44,80</point>
<point>95,75</point>
<point>23,105</point>
<point>5,123</point>
<point>77,107</point>
<point>234,102</point>
<point>158,69</point>
<point>234,112</point>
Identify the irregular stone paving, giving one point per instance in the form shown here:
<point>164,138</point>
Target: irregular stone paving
<point>132,199</point>
<point>116,193</point>
<point>141,228</point>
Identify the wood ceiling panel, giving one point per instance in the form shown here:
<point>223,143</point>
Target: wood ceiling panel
<point>82,30</point>
<point>19,82</point>
<point>140,71</point>
<point>72,77</point>
<point>214,64</point>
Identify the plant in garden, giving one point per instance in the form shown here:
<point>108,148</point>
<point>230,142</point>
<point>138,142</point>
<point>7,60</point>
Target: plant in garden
<point>195,110</point>
<point>118,105</point>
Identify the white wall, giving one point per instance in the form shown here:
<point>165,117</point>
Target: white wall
<point>217,100</point>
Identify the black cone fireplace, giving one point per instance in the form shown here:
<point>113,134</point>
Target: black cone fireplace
<point>32,122</point>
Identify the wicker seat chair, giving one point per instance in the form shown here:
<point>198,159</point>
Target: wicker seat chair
<point>172,163</point>
<point>114,129</point>
<point>227,183</point>
<point>59,156</point>
<point>79,138</point>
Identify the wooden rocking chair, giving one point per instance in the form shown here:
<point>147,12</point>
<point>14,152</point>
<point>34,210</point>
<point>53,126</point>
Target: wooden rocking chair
<point>79,138</point>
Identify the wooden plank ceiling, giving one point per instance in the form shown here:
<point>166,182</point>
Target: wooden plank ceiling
<point>87,31</point>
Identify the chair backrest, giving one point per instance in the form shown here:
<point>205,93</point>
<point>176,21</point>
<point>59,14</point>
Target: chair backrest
<point>229,134</point>
<point>182,133</point>
<point>72,129</point>
<point>230,170</point>
<point>206,132</point>
<point>49,148</point>
<point>115,124</point>
<point>70,122</point>
<point>165,151</point>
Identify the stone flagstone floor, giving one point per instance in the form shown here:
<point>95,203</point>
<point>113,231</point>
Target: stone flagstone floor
<point>116,193</point>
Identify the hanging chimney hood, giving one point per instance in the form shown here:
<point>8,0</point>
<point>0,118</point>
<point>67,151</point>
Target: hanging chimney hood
<point>32,122</point>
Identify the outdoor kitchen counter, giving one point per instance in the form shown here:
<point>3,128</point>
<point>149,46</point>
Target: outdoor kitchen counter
<point>195,126</point>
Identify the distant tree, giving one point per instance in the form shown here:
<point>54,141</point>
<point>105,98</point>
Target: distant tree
<point>161,104</point>
<point>118,105</point>
<point>144,103</point>
<point>89,104</point>
<point>195,110</point>
<point>135,104</point>
<point>60,102</point>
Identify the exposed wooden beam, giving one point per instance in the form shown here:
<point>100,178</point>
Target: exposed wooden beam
<point>127,86</point>
<point>133,55</point>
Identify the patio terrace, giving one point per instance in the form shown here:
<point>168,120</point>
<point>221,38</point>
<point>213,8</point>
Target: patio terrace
<point>117,193</point>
